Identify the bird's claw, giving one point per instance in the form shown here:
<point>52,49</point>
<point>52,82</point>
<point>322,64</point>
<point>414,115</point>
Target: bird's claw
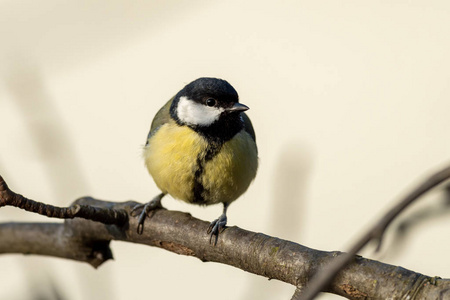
<point>146,210</point>
<point>217,226</point>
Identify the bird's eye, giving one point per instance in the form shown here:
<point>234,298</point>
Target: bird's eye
<point>210,102</point>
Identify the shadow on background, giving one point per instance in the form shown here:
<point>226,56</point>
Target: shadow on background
<point>52,143</point>
<point>289,196</point>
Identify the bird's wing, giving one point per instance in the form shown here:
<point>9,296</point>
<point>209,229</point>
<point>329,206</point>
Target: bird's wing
<point>248,127</point>
<point>161,118</point>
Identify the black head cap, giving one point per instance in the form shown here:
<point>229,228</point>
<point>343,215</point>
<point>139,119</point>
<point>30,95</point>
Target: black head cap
<point>210,87</point>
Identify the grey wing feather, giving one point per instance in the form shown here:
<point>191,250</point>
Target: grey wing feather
<point>161,118</point>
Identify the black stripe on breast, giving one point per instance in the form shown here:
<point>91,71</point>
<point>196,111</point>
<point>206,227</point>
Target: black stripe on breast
<point>199,191</point>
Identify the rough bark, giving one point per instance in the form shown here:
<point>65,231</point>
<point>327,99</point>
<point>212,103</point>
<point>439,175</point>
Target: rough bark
<point>88,241</point>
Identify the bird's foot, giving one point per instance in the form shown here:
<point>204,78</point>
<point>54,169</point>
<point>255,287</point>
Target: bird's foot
<point>217,226</point>
<point>145,210</point>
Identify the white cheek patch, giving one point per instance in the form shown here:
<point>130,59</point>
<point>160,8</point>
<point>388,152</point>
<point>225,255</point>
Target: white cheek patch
<point>193,113</point>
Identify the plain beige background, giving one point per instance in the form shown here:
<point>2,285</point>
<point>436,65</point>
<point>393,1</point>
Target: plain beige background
<point>349,99</point>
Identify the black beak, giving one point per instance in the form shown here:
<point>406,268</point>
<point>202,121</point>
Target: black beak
<point>237,107</point>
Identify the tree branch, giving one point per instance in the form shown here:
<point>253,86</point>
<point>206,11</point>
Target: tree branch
<point>178,232</point>
<point>88,241</point>
<point>106,215</point>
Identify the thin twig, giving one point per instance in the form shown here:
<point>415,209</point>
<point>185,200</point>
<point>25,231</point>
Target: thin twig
<point>104,215</point>
<point>323,278</point>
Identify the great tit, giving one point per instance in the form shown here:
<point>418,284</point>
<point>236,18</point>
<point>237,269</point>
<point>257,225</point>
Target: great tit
<point>201,149</point>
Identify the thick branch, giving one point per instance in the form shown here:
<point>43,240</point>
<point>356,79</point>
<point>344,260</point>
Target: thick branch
<point>257,253</point>
<point>52,239</point>
<point>88,241</point>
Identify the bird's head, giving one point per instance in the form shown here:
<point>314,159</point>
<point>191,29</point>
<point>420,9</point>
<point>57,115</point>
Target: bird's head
<point>205,102</point>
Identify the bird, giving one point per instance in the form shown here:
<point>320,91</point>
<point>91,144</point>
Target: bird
<point>201,149</point>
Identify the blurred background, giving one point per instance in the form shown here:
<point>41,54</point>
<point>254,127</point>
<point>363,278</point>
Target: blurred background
<point>349,99</point>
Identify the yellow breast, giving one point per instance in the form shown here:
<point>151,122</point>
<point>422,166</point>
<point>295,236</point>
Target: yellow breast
<point>230,172</point>
<point>173,156</point>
